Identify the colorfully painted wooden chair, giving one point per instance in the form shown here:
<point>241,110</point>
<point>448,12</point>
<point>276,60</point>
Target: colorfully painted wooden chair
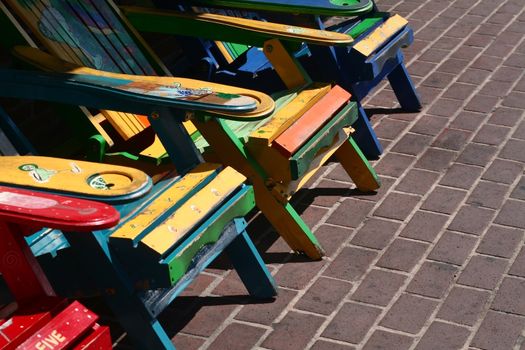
<point>169,232</point>
<point>278,154</point>
<point>37,318</point>
<point>375,53</point>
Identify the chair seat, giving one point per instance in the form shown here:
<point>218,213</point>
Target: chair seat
<point>157,244</point>
<point>161,234</point>
<point>306,127</point>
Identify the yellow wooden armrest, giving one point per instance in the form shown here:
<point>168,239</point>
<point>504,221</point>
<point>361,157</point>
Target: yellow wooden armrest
<point>377,37</point>
<point>226,28</point>
<point>38,58</point>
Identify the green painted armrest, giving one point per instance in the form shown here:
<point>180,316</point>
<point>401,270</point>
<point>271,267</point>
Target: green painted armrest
<point>226,28</point>
<point>313,7</point>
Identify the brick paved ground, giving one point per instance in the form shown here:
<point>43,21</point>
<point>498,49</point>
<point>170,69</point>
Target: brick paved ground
<point>436,259</point>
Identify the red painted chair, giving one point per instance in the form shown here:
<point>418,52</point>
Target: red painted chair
<point>37,319</point>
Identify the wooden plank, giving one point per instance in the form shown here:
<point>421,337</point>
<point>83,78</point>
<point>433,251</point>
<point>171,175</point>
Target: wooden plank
<point>315,7</point>
<point>209,233</point>
<point>17,264</point>
<point>31,12</point>
<point>63,330</point>
<point>97,36</point>
<point>120,35</point>
<point>190,183</point>
<point>301,160</point>
<point>97,39</point>
<point>99,338</point>
<point>28,319</point>
<point>286,116</point>
<point>228,28</point>
<point>285,65</point>
<point>90,180</point>
<point>311,121</point>
<point>224,51</point>
<point>49,210</point>
<point>380,35</point>
<point>281,214</point>
<point>264,104</point>
<point>197,208</point>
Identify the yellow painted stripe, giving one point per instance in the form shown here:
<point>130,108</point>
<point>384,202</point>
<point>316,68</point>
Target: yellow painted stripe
<point>378,37</point>
<point>198,207</point>
<point>224,52</point>
<point>285,65</point>
<point>190,128</point>
<point>156,150</point>
<point>132,229</point>
<point>38,58</point>
<point>134,122</point>
<point>115,120</point>
<point>285,117</point>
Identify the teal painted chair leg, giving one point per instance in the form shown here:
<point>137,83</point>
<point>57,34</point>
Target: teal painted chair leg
<point>143,330</point>
<point>250,267</point>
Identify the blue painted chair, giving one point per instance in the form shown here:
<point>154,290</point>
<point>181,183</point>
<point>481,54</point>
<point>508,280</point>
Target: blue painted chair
<point>374,55</point>
<point>169,232</point>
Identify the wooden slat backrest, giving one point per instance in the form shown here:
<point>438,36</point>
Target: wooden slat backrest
<point>90,33</point>
<point>86,32</point>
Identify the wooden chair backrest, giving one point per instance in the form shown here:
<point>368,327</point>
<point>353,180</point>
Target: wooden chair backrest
<point>90,33</point>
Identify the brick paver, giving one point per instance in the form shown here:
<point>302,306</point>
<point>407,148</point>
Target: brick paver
<point>435,259</point>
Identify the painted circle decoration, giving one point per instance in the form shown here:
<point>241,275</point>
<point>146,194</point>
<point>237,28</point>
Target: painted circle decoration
<point>28,167</point>
<point>109,181</point>
<point>97,182</point>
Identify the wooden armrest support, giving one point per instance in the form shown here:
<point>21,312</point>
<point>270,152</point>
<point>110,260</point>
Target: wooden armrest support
<point>128,93</point>
<point>48,210</point>
<point>226,28</point>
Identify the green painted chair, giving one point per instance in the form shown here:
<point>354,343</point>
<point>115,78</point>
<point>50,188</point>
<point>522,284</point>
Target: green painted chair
<point>359,67</point>
<point>278,155</point>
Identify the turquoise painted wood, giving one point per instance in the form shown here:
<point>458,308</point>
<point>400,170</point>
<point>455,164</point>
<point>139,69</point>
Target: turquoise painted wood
<point>80,263</point>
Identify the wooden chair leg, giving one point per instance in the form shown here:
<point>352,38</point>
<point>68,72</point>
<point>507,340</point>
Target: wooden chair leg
<point>404,88</point>
<point>145,331</point>
<point>357,166</point>
<point>250,267</point>
<point>365,136</point>
<point>282,216</point>
<point>287,223</point>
